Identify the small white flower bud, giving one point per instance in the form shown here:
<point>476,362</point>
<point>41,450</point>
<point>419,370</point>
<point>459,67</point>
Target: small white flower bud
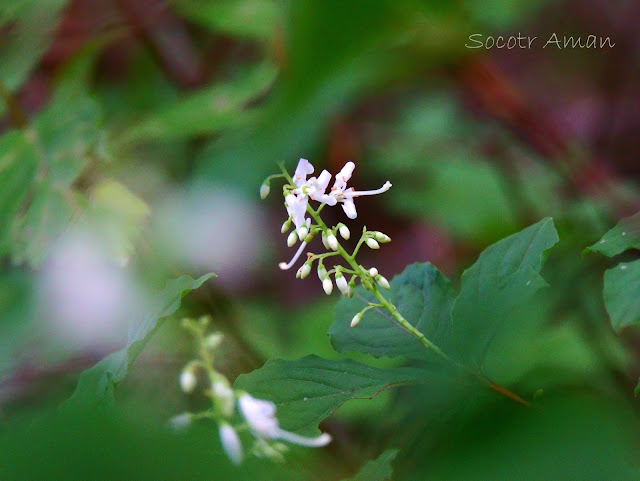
<point>322,272</point>
<point>373,272</point>
<point>381,237</point>
<point>372,243</point>
<point>188,380</point>
<point>327,285</point>
<point>324,241</point>
<point>303,232</point>
<point>356,319</point>
<point>180,422</point>
<point>344,232</point>
<point>342,284</point>
<point>285,226</point>
<point>223,394</point>
<point>352,288</point>
<point>213,340</point>
<point>305,270</point>
<point>292,239</point>
<point>333,242</point>
<point>231,443</point>
<point>264,190</point>
<point>383,282</point>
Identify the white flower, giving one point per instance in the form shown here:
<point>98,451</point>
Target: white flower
<point>261,418</point>
<point>327,285</point>
<point>188,380</point>
<point>213,340</point>
<point>231,443</point>
<point>343,285</point>
<point>341,193</point>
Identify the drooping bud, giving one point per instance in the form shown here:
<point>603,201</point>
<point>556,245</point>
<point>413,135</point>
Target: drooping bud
<point>333,242</point>
<point>305,270</point>
<point>382,282</point>
<point>213,340</point>
<point>286,225</point>
<point>352,288</point>
<point>231,443</point>
<point>180,422</point>
<point>309,238</point>
<point>322,272</point>
<point>292,239</point>
<point>372,243</point>
<point>303,232</point>
<point>327,285</point>
<point>373,272</point>
<point>188,380</point>
<point>381,237</point>
<point>344,232</point>
<point>356,319</point>
<point>264,190</point>
<point>342,283</point>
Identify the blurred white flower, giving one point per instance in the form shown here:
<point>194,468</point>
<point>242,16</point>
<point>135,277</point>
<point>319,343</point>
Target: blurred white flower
<point>215,229</point>
<point>87,298</point>
<point>261,418</point>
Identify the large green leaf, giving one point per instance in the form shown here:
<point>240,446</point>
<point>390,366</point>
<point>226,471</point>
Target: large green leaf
<point>422,295</point>
<point>96,385</point>
<point>503,278</point>
<point>205,112</point>
<point>18,165</point>
<point>309,389</point>
<point>379,469</point>
<point>625,235</point>
<point>621,288</point>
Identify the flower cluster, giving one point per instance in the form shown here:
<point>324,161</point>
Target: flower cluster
<point>234,411</point>
<point>298,191</point>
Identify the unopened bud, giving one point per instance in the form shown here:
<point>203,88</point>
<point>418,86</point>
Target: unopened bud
<point>224,397</point>
<point>212,341</point>
<point>327,285</point>
<point>322,272</point>
<point>303,232</point>
<point>309,238</point>
<point>344,232</point>
<point>324,241</point>
<point>180,422</point>
<point>381,237</point>
<point>292,239</point>
<point>373,272</point>
<point>286,225</point>
<point>188,380</point>
<point>372,243</point>
<point>352,288</point>
<point>356,319</point>
<point>342,284</point>
<point>231,443</point>
<point>333,242</point>
<point>264,190</point>
<point>305,270</point>
<point>382,282</point>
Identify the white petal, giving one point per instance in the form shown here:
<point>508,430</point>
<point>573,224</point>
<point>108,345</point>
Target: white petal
<point>284,266</point>
<point>316,442</point>
<point>323,180</point>
<point>384,188</point>
<point>303,169</point>
<point>349,208</point>
<point>260,415</point>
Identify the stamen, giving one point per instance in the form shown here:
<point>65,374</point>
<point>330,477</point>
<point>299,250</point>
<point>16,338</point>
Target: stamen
<point>384,188</point>
<point>284,266</point>
<point>316,442</point>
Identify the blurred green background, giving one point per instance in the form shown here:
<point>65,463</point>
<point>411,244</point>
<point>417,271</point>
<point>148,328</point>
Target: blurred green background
<point>135,135</point>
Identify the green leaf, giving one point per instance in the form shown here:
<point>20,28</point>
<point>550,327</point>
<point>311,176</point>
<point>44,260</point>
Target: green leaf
<point>309,389</point>
<point>621,288</point>
<point>624,236</point>
<point>245,18</point>
<point>96,385</point>
<point>24,43</point>
<point>503,278</point>
<point>208,110</point>
<point>422,295</point>
<point>379,469</point>
<point>18,165</point>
